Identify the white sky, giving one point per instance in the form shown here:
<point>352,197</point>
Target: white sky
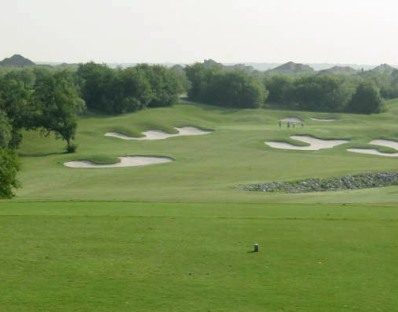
<point>185,31</point>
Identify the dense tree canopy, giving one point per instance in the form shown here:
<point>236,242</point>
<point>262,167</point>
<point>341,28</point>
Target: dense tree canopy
<point>326,91</point>
<point>321,93</point>
<point>165,84</point>
<point>117,91</point>
<point>366,100</point>
<point>229,88</point>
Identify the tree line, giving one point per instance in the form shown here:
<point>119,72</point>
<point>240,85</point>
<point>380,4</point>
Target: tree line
<point>229,88</point>
<point>118,91</point>
<point>241,87</point>
<point>324,93</point>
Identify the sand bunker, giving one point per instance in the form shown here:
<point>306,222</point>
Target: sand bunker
<point>385,143</point>
<point>292,120</point>
<point>160,135</point>
<point>128,161</point>
<point>314,144</point>
<point>324,119</point>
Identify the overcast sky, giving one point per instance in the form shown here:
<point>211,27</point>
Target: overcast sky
<point>186,31</point>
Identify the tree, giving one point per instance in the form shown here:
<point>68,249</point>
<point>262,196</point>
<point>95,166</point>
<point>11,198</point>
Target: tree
<point>213,84</point>
<point>97,83</point>
<point>179,72</point>
<point>200,79</point>
<point>366,99</point>
<point>14,101</point>
<point>9,167</point>
<point>279,88</point>
<point>5,130</point>
<point>57,106</point>
<point>8,160</point>
<point>236,89</point>
<point>136,90</point>
<point>165,85</point>
<point>321,93</point>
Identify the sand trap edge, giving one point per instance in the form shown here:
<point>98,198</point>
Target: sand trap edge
<point>125,161</point>
<point>379,142</point>
<point>324,119</point>
<point>314,144</point>
<point>160,135</point>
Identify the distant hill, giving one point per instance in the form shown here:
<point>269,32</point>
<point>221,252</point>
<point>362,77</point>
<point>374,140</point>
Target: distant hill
<point>337,70</point>
<point>211,63</point>
<point>383,68</point>
<point>16,61</point>
<point>242,67</point>
<point>292,67</point>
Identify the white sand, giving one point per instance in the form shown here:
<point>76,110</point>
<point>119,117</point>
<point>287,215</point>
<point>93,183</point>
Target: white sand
<point>324,119</point>
<point>160,135</point>
<point>292,120</point>
<point>314,144</point>
<point>386,143</point>
<point>128,161</point>
<point>371,152</point>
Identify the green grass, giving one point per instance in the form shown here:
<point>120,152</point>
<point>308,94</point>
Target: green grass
<point>207,168</point>
<point>179,236</point>
<point>120,256</point>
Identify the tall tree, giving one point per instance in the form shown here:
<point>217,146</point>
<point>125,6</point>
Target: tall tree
<point>9,167</point>
<point>136,90</point>
<point>97,83</point>
<point>165,85</point>
<point>8,160</point>
<point>5,130</point>
<point>57,106</point>
<point>366,99</point>
<point>236,89</point>
<point>279,88</point>
<point>14,101</point>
